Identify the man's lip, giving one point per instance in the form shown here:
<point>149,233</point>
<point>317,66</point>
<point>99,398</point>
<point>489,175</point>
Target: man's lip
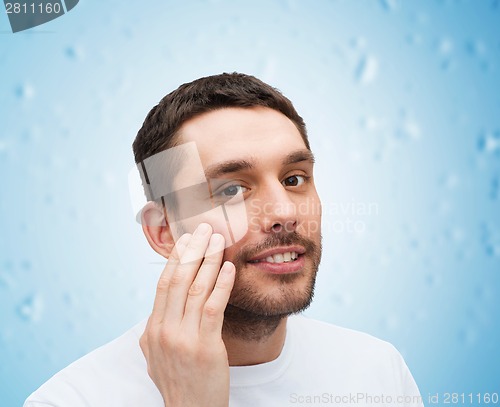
<point>276,250</point>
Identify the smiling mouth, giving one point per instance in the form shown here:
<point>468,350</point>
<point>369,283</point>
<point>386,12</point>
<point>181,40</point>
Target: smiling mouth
<point>286,257</point>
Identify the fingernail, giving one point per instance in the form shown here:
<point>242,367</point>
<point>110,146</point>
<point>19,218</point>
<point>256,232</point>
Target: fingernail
<point>181,244</point>
<point>203,229</point>
<point>217,239</point>
<point>215,245</point>
<point>184,239</point>
<point>227,267</point>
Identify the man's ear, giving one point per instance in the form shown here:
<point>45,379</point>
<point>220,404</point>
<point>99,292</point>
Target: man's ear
<point>156,229</point>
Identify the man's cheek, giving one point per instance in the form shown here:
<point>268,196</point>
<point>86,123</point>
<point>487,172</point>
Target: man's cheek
<point>236,218</point>
<point>230,220</point>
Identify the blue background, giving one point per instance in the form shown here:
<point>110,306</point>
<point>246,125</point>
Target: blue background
<point>402,104</point>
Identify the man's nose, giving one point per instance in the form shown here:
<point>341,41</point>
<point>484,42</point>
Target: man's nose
<point>276,211</point>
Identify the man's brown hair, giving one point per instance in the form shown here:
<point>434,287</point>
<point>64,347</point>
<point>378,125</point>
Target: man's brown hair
<point>160,128</point>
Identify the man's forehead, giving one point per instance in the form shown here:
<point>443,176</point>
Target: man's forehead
<point>238,130</point>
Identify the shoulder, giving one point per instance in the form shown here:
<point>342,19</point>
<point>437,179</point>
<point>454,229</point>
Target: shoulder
<point>331,341</point>
<point>98,377</point>
<point>352,357</point>
<point>320,331</point>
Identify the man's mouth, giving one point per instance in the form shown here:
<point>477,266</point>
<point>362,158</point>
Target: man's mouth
<point>278,258</point>
<point>279,255</point>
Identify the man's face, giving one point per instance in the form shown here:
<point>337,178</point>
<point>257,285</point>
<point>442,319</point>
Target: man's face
<point>256,163</point>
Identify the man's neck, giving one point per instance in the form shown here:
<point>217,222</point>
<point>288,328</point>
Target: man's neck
<point>247,351</point>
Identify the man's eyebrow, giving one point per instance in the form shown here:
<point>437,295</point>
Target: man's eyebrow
<point>231,166</point>
<point>228,167</point>
<point>299,156</point>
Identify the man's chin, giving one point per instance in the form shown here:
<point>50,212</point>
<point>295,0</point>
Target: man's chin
<point>256,309</point>
<point>258,321</point>
<point>272,304</point>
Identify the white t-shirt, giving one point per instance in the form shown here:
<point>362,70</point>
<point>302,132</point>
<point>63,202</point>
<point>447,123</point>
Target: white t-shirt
<point>320,364</point>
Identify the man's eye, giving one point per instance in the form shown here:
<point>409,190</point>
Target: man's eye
<point>294,181</point>
<point>233,190</point>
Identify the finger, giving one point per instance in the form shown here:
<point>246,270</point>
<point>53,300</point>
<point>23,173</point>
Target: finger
<point>184,274</point>
<point>144,343</point>
<point>203,284</point>
<point>213,310</point>
<point>163,282</point>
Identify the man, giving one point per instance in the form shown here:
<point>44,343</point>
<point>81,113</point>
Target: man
<point>228,171</point>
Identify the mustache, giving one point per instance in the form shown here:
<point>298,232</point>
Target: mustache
<point>276,240</point>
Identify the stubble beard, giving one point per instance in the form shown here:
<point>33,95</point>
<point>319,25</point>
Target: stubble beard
<point>253,316</point>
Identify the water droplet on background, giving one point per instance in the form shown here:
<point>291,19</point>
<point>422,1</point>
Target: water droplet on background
<point>432,279</point>
<point>5,280</point>
<point>341,299</point>
<point>489,142</point>
<point>408,129</point>
<point>445,46</point>
<point>367,70</point>
<point>420,315</point>
<point>31,135</point>
<point>49,199</point>
<point>447,64</point>
<point>74,52</point>
<point>358,43</point>
<point>421,17</point>
<point>356,156</point>
<point>455,235</point>
<point>476,48</point>
<point>371,123</point>
<point>414,39</point>
<point>3,147</point>
<point>389,322</point>
<point>26,265</point>
<point>389,5</point>
<point>31,308</point>
<point>495,188</point>
<point>25,91</point>
<point>490,240</point>
<point>482,292</point>
<point>74,214</point>
<point>450,181</point>
<point>108,178</point>
<point>69,299</point>
<point>414,243</point>
<point>467,336</point>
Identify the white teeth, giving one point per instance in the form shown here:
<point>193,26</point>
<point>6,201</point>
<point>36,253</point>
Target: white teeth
<point>281,257</point>
<point>278,258</point>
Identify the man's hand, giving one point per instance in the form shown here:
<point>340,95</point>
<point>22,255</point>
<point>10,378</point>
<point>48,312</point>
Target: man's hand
<point>182,343</point>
